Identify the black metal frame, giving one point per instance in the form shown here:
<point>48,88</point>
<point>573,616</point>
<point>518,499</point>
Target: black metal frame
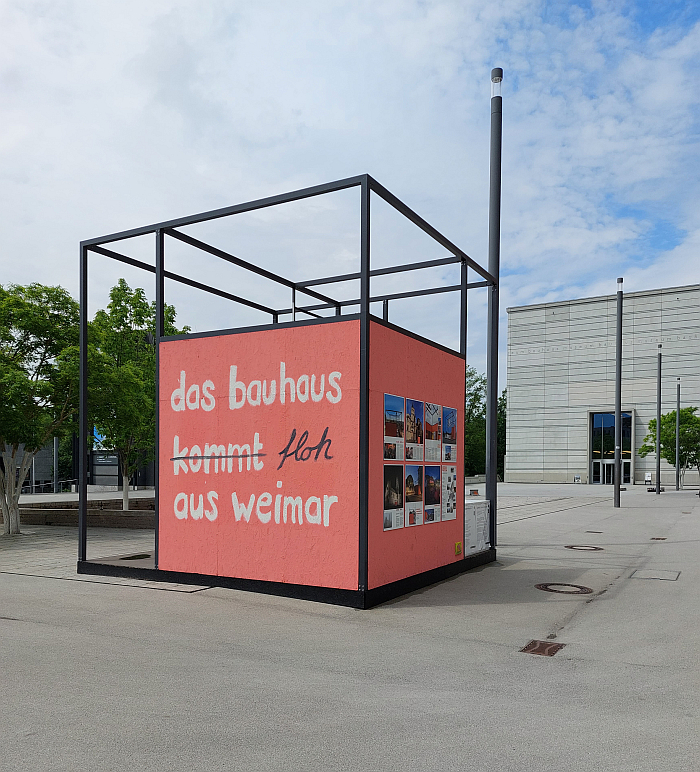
<point>367,186</point>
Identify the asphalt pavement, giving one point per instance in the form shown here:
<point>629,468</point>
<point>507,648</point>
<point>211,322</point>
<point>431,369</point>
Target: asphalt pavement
<point>108,674</point>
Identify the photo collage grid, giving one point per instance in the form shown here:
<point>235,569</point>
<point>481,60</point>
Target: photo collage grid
<point>420,483</point>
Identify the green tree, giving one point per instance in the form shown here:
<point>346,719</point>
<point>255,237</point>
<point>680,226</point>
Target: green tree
<point>475,425</point>
<point>38,381</point>
<point>502,411</point>
<point>123,377</point>
<point>689,439</point>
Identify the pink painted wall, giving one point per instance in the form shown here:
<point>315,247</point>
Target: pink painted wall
<point>406,367</point>
<point>253,545</point>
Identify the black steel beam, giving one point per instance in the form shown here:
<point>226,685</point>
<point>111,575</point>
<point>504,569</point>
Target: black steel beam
<point>238,261</point>
<point>394,296</point>
<point>363,551</point>
<point>122,258</point>
<point>463,312</point>
<point>160,332</point>
<point>214,214</point>
<point>382,271</point>
<point>183,280</point>
<point>83,416</point>
<point>416,219</point>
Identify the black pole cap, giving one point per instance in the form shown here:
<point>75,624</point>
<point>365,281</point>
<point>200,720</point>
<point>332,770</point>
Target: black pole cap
<point>496,74</point>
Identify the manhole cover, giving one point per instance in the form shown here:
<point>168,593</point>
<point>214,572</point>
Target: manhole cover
<point>140,556</point>
<point>566,589</point>
<point>543,648</point>
<point>585,547</point>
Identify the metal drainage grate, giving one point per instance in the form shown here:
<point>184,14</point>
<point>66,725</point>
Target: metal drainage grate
<point>543,648</point>
<point>669,576</point>
<point>585,547</point>
<point>658,538</point>
<point>140,556</point>
<point>566,589</point>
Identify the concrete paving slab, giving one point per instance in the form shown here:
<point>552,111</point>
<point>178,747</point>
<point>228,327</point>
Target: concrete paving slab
<point>103,676</point>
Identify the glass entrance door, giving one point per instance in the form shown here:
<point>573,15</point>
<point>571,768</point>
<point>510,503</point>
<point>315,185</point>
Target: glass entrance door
<point>602,448</point>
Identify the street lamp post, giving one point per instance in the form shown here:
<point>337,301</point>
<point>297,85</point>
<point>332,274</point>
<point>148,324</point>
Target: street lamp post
<point>494,270</point>
<point>678,434</point>
<point>618,396</point>
<point>658,423</point>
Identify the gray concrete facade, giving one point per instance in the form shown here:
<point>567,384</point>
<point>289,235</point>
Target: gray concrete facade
<point>561,370</point>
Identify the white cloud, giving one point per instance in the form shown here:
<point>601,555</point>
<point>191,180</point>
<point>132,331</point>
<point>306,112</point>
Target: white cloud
<point>118,114</point>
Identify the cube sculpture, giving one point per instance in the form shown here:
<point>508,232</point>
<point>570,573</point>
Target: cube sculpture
<point>319,459</point>
<point>262,469</point>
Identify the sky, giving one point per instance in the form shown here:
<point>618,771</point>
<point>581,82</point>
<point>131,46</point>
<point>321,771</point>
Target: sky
<point>120,114</point>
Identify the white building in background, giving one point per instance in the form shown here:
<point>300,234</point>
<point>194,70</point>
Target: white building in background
<point>561,383</point>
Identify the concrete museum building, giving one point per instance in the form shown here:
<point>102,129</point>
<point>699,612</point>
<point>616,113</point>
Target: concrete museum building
<point>561,383</point>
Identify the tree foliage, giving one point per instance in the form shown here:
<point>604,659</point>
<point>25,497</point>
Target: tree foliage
<point>475,425</point>
<point>123,376</point>
<point>689,439</point>
<point>38,383</point>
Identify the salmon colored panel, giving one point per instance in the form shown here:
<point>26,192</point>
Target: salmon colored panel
<point>215,411</point>
<point>409,368</point>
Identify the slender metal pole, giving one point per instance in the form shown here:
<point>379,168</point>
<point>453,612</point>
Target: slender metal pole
<point>494,270</point>
<point>83,420</point>
<point>160,332</point>
<point>463,312</point>
<point>678,434</point>
<point>364,383</point>
<point>385,310</point>
<point>618,396</point>
<point>658,423</point>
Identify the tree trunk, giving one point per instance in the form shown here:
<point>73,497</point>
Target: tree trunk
<point>125,488</point>
<point>15,460</point>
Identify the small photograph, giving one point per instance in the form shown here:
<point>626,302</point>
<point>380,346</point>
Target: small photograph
<point>413,515</point>
<point>430,514</point>
<point>409,452</point>
<point>414,483</point>
<point>449,425</point>
<point>393,427</point>
<point>449,434</point>
<point>388,520</point>
<point>393,487</point>
<point>432,485</point>
<point>393,416</point>
<point>414,422</point>
<point>433,422</point>
<point>433,432</point>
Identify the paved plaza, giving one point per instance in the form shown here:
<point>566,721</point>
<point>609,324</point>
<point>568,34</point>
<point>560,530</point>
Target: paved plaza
<point>102,673</point>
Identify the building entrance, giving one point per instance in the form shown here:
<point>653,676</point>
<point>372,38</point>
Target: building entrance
<point>603,472</point>
<point>602,444</point>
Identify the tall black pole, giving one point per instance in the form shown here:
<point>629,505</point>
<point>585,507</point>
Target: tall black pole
<point>678,434</point>
<point>658,423</point>
<point>83,416</point>
<point>160,332</point>
<point>494,270</point>
<point>618,396</point>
